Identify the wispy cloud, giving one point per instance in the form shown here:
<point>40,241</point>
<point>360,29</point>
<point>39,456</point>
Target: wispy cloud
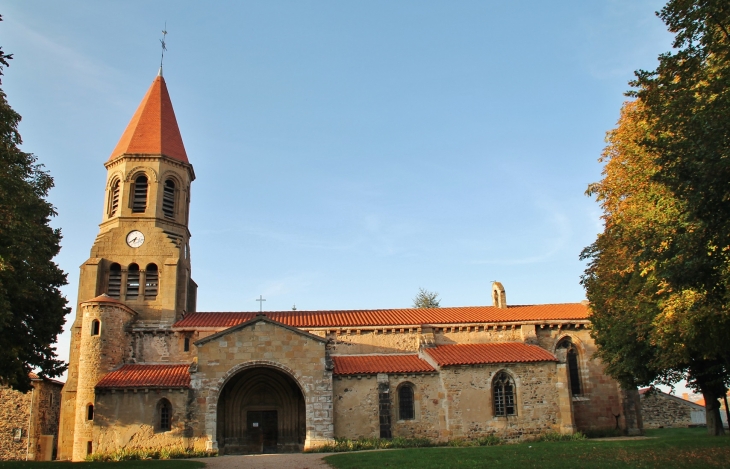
<point>63,61</point>
<point>289,284</point>
<point>556,237</point>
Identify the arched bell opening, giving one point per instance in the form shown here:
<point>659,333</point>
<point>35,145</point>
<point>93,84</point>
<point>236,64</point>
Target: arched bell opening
<point>261,410</point>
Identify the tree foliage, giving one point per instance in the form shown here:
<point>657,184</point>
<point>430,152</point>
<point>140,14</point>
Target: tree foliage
<point>659,274</point>
<point>32,309</point>
<point>426,299</point>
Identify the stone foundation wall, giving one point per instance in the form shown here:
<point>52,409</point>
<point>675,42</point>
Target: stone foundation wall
<point>659,410</point>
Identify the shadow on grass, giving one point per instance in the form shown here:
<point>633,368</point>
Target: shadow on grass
<point>672,448</point>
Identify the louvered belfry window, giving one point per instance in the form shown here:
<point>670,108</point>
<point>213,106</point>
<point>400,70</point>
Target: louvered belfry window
<point>139,197</point>
<point>151,282</point>
<point>114,202</point>
<point>504,395</point>
<point>132,282</point>
<point>115,281</point>
<point>168,199</point>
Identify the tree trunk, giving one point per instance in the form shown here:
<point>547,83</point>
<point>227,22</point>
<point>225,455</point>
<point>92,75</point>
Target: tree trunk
<point>712,413</point>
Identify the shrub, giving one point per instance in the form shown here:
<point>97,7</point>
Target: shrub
<point>555,436</point>
<point>345,444</point>
<point>175,452</point>
<point>490,440</point>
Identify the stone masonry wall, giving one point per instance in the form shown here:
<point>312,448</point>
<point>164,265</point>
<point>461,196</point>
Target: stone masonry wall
<point>14,413</point>
<point>399,340</point>
<point>46,414</point>
<point>356,406</point>
<point>129,419</point>
<point>469,401</point>
<point>263,343</point>
<point>601,399</point>
<point>428,406</point>
<point>160,346</point>
<point>659,410</point>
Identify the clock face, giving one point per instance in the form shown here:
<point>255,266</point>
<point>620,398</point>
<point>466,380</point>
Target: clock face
<point>135,239</point>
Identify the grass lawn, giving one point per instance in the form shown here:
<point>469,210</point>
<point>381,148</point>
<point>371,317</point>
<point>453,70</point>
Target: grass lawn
<point>150,464</point>
<point>673,448</point>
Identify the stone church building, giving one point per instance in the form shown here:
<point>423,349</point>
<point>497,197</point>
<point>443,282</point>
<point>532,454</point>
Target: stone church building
<point>147,370</point>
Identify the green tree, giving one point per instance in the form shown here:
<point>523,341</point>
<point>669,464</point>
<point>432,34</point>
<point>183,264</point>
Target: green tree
<point>426,299</point>
<point>32,309</point>
<point>687,103</point>
<point>634,308</point>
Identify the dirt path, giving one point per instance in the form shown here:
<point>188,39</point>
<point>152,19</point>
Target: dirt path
<point>268,461</point>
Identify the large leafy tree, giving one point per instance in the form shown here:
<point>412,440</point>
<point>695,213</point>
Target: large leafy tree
<point>644,326</point>
<point>32,309</point>
<point>687,102</point>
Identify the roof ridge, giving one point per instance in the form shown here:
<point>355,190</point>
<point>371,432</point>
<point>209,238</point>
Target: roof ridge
<point>384,309</point>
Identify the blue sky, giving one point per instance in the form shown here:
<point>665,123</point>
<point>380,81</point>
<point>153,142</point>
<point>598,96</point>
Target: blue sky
<point>346,153</point>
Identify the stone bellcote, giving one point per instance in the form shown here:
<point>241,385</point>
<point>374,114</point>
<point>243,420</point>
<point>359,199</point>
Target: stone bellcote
<point>499,297</point>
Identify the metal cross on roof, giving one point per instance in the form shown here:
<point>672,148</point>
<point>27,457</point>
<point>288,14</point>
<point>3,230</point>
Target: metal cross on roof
<point>261,300</point>
<point>164,46</point>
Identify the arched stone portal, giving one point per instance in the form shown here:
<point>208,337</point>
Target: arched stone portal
<point>261,410</point>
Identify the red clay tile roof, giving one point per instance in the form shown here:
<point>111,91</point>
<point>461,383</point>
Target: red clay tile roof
<point>35,377</point>
<point>473,354</point>
<point>147,376</point>
<point>104,298</point>
<point>395,317</point>
<point>153,129</point>
<point>371,364</point>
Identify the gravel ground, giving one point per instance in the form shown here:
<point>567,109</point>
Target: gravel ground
<point>268,461</point>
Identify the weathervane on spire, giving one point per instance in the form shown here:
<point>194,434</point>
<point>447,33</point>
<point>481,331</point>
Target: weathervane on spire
<point>164,47</point>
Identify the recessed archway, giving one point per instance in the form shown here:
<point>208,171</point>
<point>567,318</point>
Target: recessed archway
<point>261,410</point>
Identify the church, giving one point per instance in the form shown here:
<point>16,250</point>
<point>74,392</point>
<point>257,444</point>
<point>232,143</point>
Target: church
<point>148,370</point>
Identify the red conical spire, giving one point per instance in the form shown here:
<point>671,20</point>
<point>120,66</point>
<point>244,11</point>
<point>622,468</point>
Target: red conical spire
<point>153,129</point>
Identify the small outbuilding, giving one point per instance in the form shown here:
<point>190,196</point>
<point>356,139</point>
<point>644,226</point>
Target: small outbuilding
<point>29,422</point>
<point>662,410</point>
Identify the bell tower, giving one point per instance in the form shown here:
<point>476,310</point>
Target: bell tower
<point>142,251</point>
<point>139,269</point>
